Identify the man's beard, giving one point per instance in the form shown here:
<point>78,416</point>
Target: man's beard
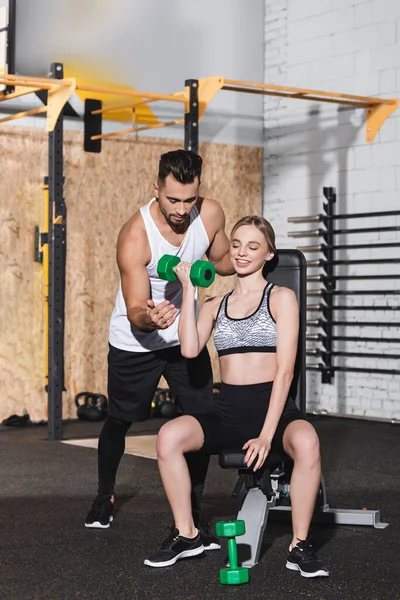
<point>179,227</point>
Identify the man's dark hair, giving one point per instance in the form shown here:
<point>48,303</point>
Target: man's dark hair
<point>183,165</point>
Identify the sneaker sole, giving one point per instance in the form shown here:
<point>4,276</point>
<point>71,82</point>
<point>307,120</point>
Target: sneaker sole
<point>167,563</point>
<point>98,525</point>
<point>293,567</point>
<point>212,546</point>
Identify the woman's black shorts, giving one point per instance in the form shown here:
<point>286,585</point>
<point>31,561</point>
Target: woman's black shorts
<point>238,415</point>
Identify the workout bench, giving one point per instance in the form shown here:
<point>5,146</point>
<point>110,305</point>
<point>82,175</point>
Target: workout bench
<point>269,487</point>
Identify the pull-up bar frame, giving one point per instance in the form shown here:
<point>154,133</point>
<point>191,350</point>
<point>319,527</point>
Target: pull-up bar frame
<point>377,109</point>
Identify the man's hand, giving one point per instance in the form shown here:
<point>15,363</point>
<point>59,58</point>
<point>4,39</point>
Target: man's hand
<point>257,447</point>
<point>161,316</point>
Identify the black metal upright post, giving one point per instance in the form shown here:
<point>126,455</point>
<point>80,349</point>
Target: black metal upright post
<point>192,117</point>
<point>330,283</point>
<point>57,260</point>
<point>11,28</point>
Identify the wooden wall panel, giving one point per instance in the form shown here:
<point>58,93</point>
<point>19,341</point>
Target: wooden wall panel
<point>101,192</point>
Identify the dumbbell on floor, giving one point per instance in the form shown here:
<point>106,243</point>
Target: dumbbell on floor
<point>202,272</point>
<point>233,575</point>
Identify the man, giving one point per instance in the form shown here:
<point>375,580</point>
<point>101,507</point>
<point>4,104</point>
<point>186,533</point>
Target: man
<point>143,333</point>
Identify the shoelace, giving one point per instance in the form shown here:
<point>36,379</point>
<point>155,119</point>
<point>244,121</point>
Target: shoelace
<point>307,550</point>
<point>173,535</point>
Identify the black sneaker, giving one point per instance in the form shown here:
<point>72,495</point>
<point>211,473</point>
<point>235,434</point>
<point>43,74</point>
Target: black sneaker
<point>209,539</point>
<point>304,559</point>
<point>101,513</point>
<point>174,548</point>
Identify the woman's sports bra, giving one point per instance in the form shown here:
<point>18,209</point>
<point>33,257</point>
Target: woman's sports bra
<point>255,333</point>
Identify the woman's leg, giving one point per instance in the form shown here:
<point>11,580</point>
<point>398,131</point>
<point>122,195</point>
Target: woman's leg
<point>301,443</point>
<point>176,437</point>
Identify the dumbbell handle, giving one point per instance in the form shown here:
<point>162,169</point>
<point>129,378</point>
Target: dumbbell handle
<point>232,553</point>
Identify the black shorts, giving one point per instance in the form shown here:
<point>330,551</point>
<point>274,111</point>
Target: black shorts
<point>133,378</point>
<point>238,415</point>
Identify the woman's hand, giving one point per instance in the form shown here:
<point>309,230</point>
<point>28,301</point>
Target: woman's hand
<point>182,271</point>
<point>258,447</point>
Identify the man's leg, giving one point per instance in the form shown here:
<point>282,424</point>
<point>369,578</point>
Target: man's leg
<point>132,381</point>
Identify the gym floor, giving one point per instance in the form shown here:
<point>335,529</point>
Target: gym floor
<point>47,554</point>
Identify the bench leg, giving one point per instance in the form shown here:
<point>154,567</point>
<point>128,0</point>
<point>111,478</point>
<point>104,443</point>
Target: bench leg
<point>254,512</point>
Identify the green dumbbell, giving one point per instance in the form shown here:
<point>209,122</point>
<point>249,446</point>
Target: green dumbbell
<point>202,272</point>
<point>234,574</point>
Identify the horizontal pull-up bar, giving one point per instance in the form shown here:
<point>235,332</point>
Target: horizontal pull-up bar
<point>305,94</point>
<point>377,109</point>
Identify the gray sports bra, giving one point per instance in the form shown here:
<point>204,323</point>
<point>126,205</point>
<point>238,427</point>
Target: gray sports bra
<point>255,333</point>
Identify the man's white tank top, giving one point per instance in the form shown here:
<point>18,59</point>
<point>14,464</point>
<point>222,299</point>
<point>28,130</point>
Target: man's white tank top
<point>122,334</point>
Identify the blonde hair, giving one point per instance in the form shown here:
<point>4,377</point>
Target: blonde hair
<point>262,225</point>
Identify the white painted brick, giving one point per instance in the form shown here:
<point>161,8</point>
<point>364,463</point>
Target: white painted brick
<point>297,11</point>
<point>362,62</point>
<point>376,404</point>
<point>315,145</point>
<point>309,50</point>
<point>387,33</point>
<point>355,40</point>
<point>362,157</point>
<point>385,154</point>
<point>332,68</point>
<point>387,179</point>
<point>363,14</point>
<point>385,57</point>
<point>387,81</point>
<point>385,10</point>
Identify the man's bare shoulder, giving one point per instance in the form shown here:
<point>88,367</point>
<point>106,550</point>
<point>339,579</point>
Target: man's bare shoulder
<point>211,208</point>
<point>212,215</point>
<point>133,227</point>
<point>133,238</point>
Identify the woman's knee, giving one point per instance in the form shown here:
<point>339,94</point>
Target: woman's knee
<point>303,442</point>
<point>179,435</point>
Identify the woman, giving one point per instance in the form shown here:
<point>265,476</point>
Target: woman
<point>255,333</point>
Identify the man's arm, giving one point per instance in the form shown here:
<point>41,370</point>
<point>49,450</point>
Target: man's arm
<point>132,257</point>
<point>218,252</point>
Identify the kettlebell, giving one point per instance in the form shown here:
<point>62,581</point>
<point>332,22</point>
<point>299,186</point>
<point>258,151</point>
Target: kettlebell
<point>91,407</point>
<point>163,404</point>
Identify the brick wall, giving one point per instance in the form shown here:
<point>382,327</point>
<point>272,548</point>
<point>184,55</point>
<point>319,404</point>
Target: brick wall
<point>348,46</point>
